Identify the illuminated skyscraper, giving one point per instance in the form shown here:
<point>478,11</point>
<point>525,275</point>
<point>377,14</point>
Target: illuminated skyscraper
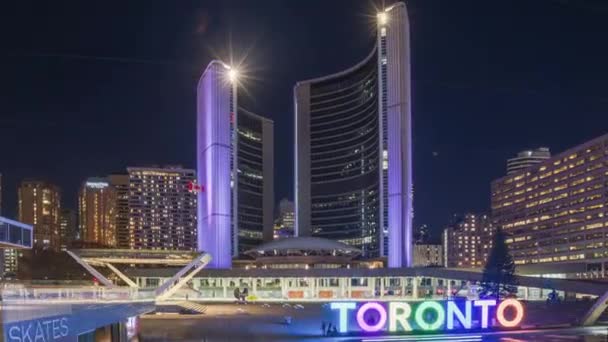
<point>39,205</point>
<point>353,149</point>
<point>255,186</point>
<point>162,208</point>
<point>96,213</point>
<point>235,164</point>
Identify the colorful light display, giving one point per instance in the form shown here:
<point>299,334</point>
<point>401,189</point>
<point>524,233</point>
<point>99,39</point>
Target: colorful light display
<point>430,315</point>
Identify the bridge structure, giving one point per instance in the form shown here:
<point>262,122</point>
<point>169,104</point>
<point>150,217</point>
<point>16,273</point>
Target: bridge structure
<point>14,234</point>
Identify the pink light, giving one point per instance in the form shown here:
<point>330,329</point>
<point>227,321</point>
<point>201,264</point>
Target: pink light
<point>361,317</point>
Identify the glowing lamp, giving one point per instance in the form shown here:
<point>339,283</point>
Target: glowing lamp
<point>382,18</point>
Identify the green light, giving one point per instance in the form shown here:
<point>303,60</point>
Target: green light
<point>422,323</point>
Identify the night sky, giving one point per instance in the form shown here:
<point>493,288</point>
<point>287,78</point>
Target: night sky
<point>91,87</point>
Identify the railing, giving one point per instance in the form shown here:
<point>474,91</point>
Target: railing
<point>25,295</point>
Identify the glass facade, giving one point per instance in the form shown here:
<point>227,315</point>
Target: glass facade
<point>344,158</point>
<point>353,167</point>
<point>251,181</point>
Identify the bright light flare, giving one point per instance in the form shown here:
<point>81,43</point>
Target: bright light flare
<point>233,74</point>
<point>382,18</point>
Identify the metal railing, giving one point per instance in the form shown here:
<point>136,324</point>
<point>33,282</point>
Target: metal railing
<point>96,294</point>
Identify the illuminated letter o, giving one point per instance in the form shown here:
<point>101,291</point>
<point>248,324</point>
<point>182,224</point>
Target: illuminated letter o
<point>361,317</point>
<point>500,313</point>
<point>420,315</point>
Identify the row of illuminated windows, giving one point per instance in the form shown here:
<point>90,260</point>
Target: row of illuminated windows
<point>507,194</point>
<point>520,181</point>
<point>545,200</point>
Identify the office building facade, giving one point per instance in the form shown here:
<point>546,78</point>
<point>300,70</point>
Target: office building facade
<point>162,208</point>
<point>39,204</point>
<point>527,158</point>
<point>467,242</point>
<point>353,149</point>
<point>96,211</point>
<point>555,212</point>
<point>235,164</point>
<point>255,185</point>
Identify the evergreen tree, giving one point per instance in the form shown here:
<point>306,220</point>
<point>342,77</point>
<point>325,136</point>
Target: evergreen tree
<point>499,273</point>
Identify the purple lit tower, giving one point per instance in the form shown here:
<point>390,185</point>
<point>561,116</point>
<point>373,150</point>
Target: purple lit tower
<point>216,119</point>
<point>353,165</point>
<point>394,65</point>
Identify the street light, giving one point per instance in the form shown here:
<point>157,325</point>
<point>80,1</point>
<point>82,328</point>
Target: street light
<point>382,18</point>
<point>233,74</point>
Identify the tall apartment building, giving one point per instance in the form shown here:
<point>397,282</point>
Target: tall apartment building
<point>468,241</point>
<point>96,213</point>
<point>527,158</point>
<point>426,255</point>
<point>68,224</point>
<point>353,149</point>
<point>39,205</point>
<point>235,164</point>
<point>555,211</point>
<point>162,208</point>
<point>124,236</point>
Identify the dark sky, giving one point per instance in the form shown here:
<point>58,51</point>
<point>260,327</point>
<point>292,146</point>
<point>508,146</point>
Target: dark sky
<point>90,87</point>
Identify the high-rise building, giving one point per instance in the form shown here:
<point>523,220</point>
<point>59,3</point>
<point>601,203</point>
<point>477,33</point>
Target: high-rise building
<point>353,149</point>
<point>162,208</point>
<point>235,169</point>
<point>124,236</point>
<point>39,205</point>
<point>555,211</point>
<point>67,227</point>
<point>285,221</point>
<point>426,255</point>
<point>467,242</point>
<point>527,158</point>
<point>96,213</point>
<point>255,186</point>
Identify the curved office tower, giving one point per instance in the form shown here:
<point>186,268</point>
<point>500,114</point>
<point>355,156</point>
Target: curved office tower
<point>216,101</point>
<point>353,149</point>
<point>235,162</point>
